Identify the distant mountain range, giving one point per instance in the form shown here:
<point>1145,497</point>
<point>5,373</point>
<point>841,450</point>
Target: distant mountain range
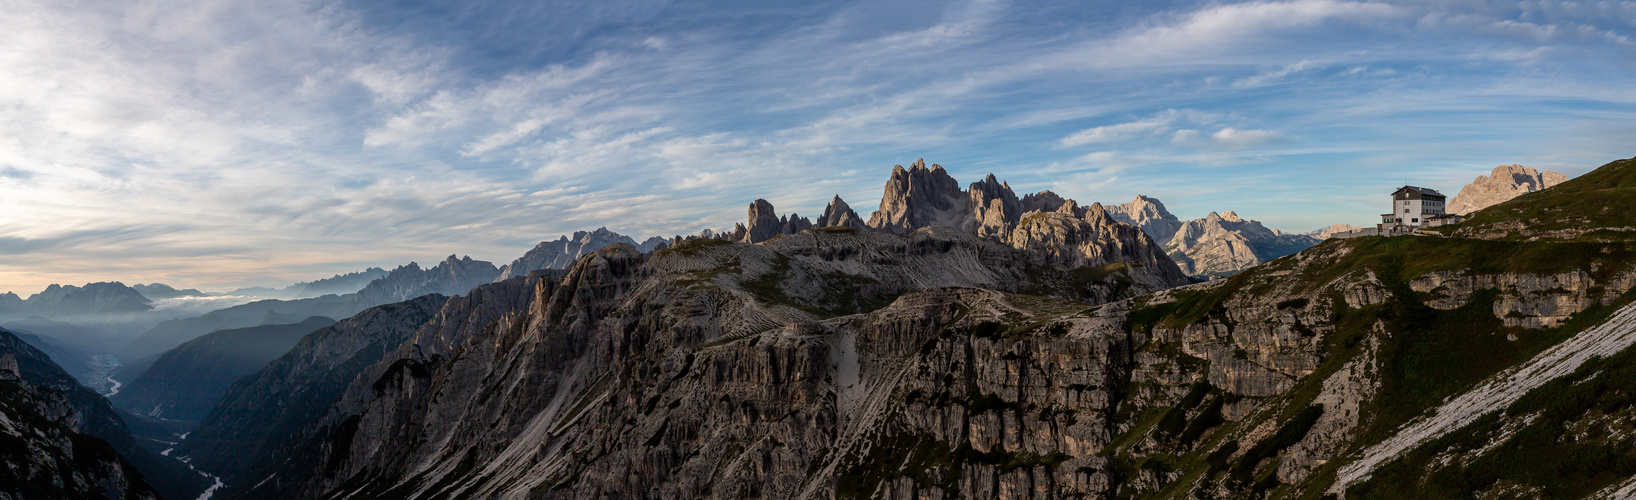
<point>1217,245</point>
<point>157,291</point>
<point>562,252</point>
<point>58,301</point>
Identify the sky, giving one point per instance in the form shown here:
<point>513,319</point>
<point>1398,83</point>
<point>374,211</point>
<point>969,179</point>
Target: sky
<point>225,143</point>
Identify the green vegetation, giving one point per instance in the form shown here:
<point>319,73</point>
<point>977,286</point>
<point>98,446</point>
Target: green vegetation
<point>1288,434</point>
<point>1602,198</point>
<point>1568,450</point>
<point>1430,354</point>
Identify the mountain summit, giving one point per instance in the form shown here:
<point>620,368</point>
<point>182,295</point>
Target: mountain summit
<point>1504,183</point>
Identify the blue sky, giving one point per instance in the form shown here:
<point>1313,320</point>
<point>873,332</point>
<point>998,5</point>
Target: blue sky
<point>224,143</point>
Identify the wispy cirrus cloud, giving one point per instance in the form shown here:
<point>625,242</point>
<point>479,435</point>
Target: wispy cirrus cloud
<point>228,143</point>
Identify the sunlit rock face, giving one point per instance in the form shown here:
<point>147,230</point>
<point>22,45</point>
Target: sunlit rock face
<point>1503,183</point>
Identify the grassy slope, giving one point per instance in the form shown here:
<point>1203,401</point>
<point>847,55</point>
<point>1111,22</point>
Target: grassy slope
<point>1566,439</point>
<point>1603,198</point>
<point>1433,354</point>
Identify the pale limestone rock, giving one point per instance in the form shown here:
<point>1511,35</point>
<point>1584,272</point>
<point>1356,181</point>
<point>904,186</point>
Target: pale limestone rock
<point>1502,184</point>
<point>839,214</point>
<point>561,253</point>
<point>764,224</point>
<point>1148,214</point>
<point>920,197</point>
<point>1224,243</point>
<point>994,208</point>
<point>1327,231</point>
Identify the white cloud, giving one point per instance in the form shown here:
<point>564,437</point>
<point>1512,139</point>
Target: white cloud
<point>1232,138</point>
<point>1275,76</point>
<point>1221,28</point>
<point>1119,132</point>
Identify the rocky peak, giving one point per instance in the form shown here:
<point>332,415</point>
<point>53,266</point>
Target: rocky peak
<point>1503,183</point>
<point>1097,214</point>
<point>562,253</point>
<point>838,213</point>
<point>764,223</point>
<point>94,298</point>
<point>1150,215</point>
<point>994,208</point>
<point>1071,208</point>
<point>919,197</point>
<point>1224,243</point>
<point>1044,201</point>
<point>452,276</point>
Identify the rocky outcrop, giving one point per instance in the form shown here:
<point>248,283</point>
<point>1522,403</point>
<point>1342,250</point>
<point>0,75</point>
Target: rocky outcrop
<point>46,453</point>
<point>920,197</point>
<point>1503,183</point>
<point>453,276</point>
<point>1223,244</point>
<point>1092,239</point>
<point>562,252</point>
<point>995,209</point>
<point>1526,300</point>
<point>65,439</point>
<point>764,223</point>
<point>1148,214</point>
<point>839,214</point>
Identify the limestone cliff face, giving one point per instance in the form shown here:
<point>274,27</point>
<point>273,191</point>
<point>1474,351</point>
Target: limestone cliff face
<point>923,198</point>
<point>708,393</point>
<point>1504,183</point>
<point>49,452</point>
<point>1073,239</point>
<point>713,367</point>
<point>839,214</point>
<point>995,209</point>
<point>1148,214</point>
<point>65,441</point>
<point>920,197</point>
<point>847,363</point>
